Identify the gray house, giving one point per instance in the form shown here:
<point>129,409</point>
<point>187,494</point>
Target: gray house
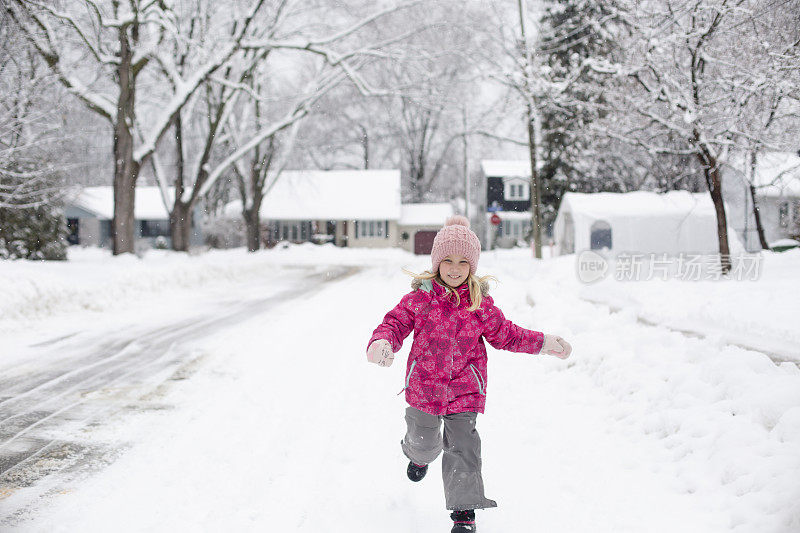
<point>777,184</point>
<point>90,210</point>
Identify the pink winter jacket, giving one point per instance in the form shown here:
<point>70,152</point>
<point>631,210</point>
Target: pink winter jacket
<point>446,371</point>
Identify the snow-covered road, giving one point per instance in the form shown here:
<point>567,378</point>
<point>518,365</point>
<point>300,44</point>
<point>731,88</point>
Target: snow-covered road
<point>283,426</point>
<point>60,388</point>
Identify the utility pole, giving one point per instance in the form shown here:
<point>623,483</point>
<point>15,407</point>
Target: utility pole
<point>530,101</point>
<point>466,163</point>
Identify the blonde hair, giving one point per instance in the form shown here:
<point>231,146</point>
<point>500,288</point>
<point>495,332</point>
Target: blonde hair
<point>474,282</point>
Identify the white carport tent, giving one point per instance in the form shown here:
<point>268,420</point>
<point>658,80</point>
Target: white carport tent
<point>639,222</point>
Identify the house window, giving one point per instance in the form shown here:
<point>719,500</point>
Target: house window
<point>525,228</point>
<point>796,212</point>
<point>372,229</point>
<point>517,229</point>
<point>105,233</point>
<point>516,190</point>
<point>293,230</point>
<point>154,228</point>
<point>783,214</point>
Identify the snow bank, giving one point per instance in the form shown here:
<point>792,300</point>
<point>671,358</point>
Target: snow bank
<point>725,418</point>
<point>760,313</point>
<point>92,279</point>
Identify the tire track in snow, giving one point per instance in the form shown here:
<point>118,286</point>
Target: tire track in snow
<point>41,413</point>
<point>775,353</point>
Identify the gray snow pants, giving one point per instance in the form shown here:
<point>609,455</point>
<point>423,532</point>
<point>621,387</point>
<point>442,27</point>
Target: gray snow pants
<point>461,463</point>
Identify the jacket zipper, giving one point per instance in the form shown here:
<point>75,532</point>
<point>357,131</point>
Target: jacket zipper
<point>478,379</point>
<point>408,377</point>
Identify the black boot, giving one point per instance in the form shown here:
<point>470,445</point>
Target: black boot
<point>463,521</point>
<point>416,472</point>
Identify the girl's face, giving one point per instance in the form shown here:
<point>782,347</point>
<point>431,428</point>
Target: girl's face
<point>454,270</point>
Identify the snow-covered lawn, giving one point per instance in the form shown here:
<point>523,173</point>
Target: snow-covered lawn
<point>285,427</point>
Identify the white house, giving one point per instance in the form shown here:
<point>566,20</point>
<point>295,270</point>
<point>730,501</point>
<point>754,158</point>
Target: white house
<point>346,207</point>
<point>89,212</point>
<point>637,222</point>
<point>777,185</point>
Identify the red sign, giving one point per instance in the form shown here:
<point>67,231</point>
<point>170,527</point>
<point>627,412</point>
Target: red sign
<point>495,219</point>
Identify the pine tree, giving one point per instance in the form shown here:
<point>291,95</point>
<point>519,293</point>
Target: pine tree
<point>37,232</point>
<point>572,36</point>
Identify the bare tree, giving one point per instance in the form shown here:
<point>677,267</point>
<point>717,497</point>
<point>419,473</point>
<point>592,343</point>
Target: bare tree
<point>771,74</point>
<point>118,42</point>
<point>258,154</point>
<point>684,83</point>
<point>289,36</point>
<point>423,122</point>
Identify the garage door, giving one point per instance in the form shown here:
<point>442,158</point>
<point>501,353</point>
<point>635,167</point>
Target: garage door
<point>423,242</point>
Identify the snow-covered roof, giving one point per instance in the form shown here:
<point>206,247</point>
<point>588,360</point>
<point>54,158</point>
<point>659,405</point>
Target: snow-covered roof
<point>506,167</point>
<point>645,204</point>
<point>100,201</point>
<point>331,195</point>
<point>777,173</point>
<point>425,214</point>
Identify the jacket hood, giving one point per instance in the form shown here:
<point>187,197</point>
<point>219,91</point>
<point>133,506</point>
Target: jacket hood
<point>427,285</point>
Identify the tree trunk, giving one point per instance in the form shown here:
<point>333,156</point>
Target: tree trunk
<point>123,225</point>
<point>180,226</point>
<point>756,211</point>
<point>252,216</point>
<point>365,146</point>
<point>762,239</point>
<point>251,220</point>
<point>126,170</point>
<point>714,182</point>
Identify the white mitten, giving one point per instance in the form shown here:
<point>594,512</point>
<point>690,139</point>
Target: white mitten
<point>555,345</point>
<point>380,353</point>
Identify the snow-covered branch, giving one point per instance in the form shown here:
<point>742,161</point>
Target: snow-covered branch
<point>315,90</point>
<point>185,88</point>
<point>95,101</point>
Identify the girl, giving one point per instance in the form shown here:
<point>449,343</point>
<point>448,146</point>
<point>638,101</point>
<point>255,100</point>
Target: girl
<point>451,313</point>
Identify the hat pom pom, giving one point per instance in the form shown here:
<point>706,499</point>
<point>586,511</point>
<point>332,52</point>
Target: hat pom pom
<point>457,220</point>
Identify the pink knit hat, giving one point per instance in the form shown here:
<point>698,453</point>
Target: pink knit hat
<point>455,238</point>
